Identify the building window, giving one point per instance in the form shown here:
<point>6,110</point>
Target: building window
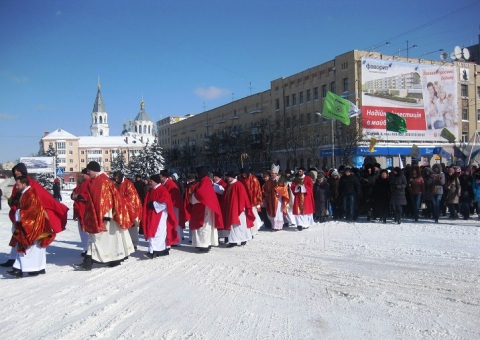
<point>70,152</point>
<point>333,87</point>
<point>464,114</point>
<point>478,114</point>
<point>288,122</point>
<point>309,118</point>
<point>106,160</point>
<point>315,93</point>
<point>300,97</point>
<point>324,91</point>
<point>294,99</point>
<point>277,104</point>
<point>464,137</point>
<point>478,91</point>
<point>309,97</point>
<point>345,85</point>
<point>83,161</point>
<point>71,178</point>
<point>464,90</point>
<point>287,101</point>
<point>71,161</point>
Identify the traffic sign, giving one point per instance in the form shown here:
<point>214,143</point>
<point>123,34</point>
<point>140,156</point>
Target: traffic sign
<point>59,172</point>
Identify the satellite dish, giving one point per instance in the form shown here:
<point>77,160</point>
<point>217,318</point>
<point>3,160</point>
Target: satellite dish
<point>452,56</point>
<point>466,54</point>
<point>458,52</point>
<point>444,56</point>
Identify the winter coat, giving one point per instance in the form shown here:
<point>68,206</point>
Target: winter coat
<point>452,189</point>
<point>416,185</point>
<point>429,186</point>
<point>349,185</point>
<point>381,196</point>
<point>321,195</point>
<point>438,180</point>
<point>466,186</point>
<point>398,183</point>
<point>476,189</point>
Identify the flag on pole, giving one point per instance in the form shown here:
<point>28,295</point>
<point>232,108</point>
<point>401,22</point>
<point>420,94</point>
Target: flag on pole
<point>445,154</point>
<point>445,133</point>
<point>396,123</point>
<point>373,142</point>
<point>415,152</point>
<point>400,161</point>
<point>474,154</point>
<point>457,153</point>
<point>335,107</point>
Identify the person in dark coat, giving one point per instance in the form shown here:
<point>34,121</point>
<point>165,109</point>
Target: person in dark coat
<point>335,197</point>
<point>429,190</point>
<point>367,182</point>
<point>349,188</point>
<point>140,187</point>
<point>466,198</point>
<point>57,194</point>
<point>321,196</point>
<point>398,183</point>
<point>381,196</point>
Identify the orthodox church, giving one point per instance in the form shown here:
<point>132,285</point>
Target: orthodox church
<point>75,152</point>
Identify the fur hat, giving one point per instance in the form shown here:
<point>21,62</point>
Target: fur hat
<point>84,171</point>
<point>231,174</point>
<point>334,173</point>
<point>93,166</point>
<point>275,169</point>
<point>155,178</point>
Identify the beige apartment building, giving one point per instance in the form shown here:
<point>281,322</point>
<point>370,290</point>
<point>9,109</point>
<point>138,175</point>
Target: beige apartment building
<point>283,124</point>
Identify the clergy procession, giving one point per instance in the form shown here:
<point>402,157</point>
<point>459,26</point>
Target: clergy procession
<point>215,209</point>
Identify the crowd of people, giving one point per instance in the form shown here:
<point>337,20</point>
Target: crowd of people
<point>211,208</point>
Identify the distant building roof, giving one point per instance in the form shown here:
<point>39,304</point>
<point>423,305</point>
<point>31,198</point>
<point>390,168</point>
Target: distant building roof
<point>142,115</point>
<point>59,134</point>
<point>98,106</point>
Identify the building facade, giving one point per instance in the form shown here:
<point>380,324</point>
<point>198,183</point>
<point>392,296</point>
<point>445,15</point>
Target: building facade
<point>284,124</point>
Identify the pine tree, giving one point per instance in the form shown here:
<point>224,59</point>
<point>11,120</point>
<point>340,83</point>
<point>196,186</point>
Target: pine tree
<point>155,159</point>
<point>51,152</point>
<point>136,166</point>
<point>45,179</point>
<point>118,163</point>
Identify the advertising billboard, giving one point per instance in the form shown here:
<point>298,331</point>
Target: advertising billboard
<point>425,95</point>
<point>38,165</point>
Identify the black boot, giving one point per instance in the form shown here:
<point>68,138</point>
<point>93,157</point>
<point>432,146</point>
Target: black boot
<point>86,265</point>
<point>15,273</point>
<point>9,263</point>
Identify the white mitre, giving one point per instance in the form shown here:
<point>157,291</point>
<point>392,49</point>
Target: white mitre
<point>275,169</point>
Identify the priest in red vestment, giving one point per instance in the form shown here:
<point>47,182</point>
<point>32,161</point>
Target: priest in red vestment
<point>79,196</point>
<point>276,198</point>
<point>237,212</point>
<point>159,222</point>
<point>219,186</point>
<point>32,232</point>
<point>304,204</point>
<point>254,191</point>
<point>177,201</point>
<point>205,213</point>
<point>106,220</point>
<point>56,211</point>
<point>132,203</point>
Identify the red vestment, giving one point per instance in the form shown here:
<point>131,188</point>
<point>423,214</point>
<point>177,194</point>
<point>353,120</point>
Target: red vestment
<point>103,197</point>
<point>131,201</point>
<point>177,201</point>
<point>235,202</point>
<point>254,190</point>
<point>187,206</point>
<point>304,203</point>
<point>56,211</point>
<point>224,185</point>
<point>272,190</point>
<point>80,202</point>
<point>33,225</point>
<point>204,193</point>
<point>151,219</point>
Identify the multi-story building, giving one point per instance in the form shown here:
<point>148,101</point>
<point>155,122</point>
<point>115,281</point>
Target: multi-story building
<point>283,124</point>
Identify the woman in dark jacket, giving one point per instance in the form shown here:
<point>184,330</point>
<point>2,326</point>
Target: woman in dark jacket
<point>321,195</point>
<point>429,190</point>
<point>398,183</point>
<point>381,196</point>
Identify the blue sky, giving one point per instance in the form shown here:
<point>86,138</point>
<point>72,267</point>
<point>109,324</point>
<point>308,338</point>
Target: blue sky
<point>184,56</point>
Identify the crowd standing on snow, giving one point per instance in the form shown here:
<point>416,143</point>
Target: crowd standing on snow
<point>222,208</point>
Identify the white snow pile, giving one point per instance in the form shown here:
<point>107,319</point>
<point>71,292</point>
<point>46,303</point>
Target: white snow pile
<point>333,281</point>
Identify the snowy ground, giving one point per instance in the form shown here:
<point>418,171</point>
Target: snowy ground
<point>333,281</point>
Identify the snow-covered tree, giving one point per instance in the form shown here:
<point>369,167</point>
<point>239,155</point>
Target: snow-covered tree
<point>154,159</point>
<point>118,163</point>
<point>136,166</point>
<point>45,179</point>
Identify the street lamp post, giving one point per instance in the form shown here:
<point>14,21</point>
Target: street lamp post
<point>406,49</point>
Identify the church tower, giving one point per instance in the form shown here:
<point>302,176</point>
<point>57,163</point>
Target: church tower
<point>142,125</point>
<point>99,126</point>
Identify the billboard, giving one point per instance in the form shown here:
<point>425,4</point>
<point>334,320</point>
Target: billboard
<point>425,95</point>
<point>38,165</point>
